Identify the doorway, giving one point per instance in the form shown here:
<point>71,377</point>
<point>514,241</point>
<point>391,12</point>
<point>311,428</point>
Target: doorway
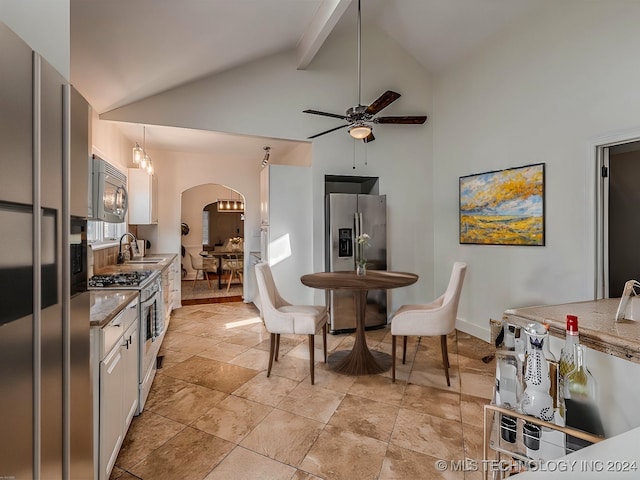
<point>214,218</point>
<point>619,200</point>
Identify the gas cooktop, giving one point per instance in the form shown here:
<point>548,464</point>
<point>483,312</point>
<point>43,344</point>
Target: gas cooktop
<point>120,279</point>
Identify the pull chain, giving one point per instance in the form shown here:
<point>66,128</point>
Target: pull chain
<point>354,154</point>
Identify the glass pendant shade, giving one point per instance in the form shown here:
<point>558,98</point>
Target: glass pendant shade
<point>138,154</point>
<point>360,131</point>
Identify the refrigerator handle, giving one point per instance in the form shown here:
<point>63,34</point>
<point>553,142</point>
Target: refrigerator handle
<point>358,232</point>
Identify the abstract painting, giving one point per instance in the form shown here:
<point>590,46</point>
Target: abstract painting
<point>504,207</point>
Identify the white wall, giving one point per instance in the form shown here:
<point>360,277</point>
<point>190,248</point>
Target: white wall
<point>540,92</point>
<point>109,144</point>
<point>266,98</point>
<point>44,25</point>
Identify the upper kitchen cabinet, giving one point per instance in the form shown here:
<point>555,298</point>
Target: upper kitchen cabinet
<point>143,197</point>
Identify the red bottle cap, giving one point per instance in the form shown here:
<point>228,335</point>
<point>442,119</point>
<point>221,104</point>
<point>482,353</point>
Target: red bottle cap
<point>572,324</point>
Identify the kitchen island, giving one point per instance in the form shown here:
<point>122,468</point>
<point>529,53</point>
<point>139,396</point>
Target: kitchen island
<point>598,328</point>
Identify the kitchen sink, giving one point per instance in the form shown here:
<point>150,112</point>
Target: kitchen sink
<point>145,261</point>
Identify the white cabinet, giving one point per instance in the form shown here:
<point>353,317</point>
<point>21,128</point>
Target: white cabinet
<point>264,196</point>
<point>129,349</point>
<point>111,410</point>
<point>286,231</point>
<point>117,385</point>
<point>170,291</point>
<point>143,197</point>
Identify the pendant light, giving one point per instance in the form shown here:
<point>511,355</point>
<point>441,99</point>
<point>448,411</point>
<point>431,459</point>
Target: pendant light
<point>230,204</point>
<point>140,156</point>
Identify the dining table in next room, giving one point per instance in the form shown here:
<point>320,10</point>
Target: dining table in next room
<point>359,360</point>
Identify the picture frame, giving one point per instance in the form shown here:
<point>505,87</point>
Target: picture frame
<point>503,207</point>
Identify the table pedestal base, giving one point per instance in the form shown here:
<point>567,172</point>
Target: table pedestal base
<point>351,362</point>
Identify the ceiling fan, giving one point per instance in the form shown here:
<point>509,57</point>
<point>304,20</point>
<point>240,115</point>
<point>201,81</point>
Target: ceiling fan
<point>360,118</point>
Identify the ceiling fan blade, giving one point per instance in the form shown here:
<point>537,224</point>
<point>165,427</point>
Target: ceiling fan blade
<point>369,138</point>
<point>325,114</point>
<point>384,100</point>
<point>414,120</point>
<point>328,131</point>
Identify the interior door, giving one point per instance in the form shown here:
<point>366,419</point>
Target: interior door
<point>621,218</point>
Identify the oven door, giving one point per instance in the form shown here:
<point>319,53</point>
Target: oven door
<point>148,319</point>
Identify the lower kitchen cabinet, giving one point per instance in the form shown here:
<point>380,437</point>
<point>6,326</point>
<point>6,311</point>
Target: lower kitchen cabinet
<point>117,384</point>
<point>170,290</point>
<point>130,388</point>
<point>111,409</point>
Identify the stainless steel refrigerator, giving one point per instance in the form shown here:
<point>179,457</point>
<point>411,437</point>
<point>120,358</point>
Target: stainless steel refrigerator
<point>45,404</point>
<point>346,216</point>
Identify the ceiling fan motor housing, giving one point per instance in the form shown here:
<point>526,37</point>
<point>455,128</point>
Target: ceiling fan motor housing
<point>359,114</point>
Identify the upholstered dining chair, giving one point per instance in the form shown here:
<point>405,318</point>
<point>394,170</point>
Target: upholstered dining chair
<point>431,319</point>
<point>280,317</point>
<point>197,262</point>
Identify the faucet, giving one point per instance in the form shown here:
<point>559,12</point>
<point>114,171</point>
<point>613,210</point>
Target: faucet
<point>135,242</point>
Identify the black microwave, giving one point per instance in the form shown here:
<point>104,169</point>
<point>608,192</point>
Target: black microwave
<point>110,201</point>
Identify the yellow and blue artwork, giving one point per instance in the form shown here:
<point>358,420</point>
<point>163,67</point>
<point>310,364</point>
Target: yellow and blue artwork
<point>504,207</point>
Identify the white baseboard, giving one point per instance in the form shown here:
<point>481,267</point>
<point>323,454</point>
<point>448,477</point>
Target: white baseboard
<point>483,333</point>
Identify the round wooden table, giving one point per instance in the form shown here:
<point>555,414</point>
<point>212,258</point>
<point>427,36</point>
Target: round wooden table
<point>359,360</point>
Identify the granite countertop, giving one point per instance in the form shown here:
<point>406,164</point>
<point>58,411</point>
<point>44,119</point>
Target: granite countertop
<point>106,304</point>
<point>598,328</point>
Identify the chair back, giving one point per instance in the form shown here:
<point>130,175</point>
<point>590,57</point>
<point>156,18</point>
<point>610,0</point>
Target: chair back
<point>196,261</point>
<point>269,296</point>
<point>270,299</point>
<point>451,297</point>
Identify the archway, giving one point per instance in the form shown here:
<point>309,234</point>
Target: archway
<point>214,215</point>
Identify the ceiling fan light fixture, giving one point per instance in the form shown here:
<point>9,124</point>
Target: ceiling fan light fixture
<point>360,131</point>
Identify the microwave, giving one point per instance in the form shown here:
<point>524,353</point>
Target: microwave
<point>109,198</point>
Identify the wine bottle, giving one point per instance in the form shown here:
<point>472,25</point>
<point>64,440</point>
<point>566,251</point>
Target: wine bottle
<point>567,363</point>
<point>581,401</point>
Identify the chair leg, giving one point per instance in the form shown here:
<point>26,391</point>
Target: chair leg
<point>393,358</point>
<point>195,279</point>
<point>277,347</point>
<point>206,275</point>
<point>272,342</point>
<point>445,357</point>
<point>324,341</point>
<point>311,359</point>
<point>404,349</point>
<point>230,278</point>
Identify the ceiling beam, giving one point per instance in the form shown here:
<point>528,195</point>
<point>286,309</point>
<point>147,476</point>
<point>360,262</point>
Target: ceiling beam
<point>321,26</point>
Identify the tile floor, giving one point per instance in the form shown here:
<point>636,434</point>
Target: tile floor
<point>213,414</point>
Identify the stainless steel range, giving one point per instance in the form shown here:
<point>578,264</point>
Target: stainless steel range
<point>151,318</point>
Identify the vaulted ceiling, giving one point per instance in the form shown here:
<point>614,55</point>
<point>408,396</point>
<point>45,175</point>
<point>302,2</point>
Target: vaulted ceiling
<point>125,50</point>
